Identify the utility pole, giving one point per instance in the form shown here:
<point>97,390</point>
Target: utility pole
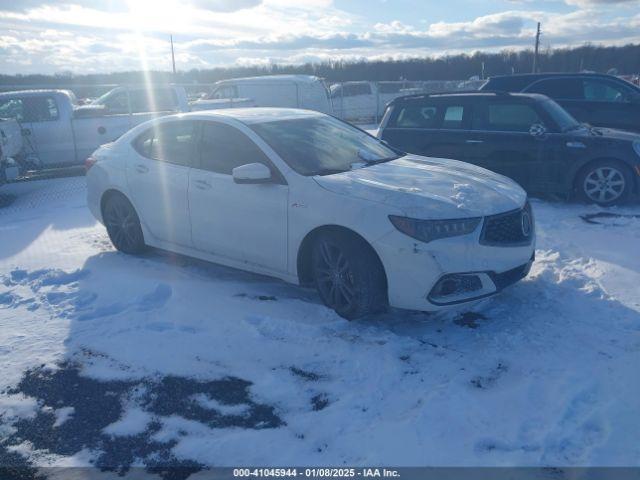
<point>535,53</point>
<point>173,57</point>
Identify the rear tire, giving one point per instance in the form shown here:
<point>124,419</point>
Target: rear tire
<point>123,224</point>
<point>348,275</point>
<point>605,183</point>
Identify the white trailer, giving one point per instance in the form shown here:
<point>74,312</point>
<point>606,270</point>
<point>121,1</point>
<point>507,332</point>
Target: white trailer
<point>286,91</point>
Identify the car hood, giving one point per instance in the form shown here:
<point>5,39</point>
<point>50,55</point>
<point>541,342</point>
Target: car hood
<point>608,134</point>
<point>430,188</point>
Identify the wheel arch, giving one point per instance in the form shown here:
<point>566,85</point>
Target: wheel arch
<point>110,192</point>
<point>303,259</point>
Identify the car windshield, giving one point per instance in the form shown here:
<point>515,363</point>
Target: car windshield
<point>322,145</point>
<point>563,119</point>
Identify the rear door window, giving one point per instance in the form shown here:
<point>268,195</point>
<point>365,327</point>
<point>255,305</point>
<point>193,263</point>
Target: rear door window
<point>40,109</point>
<point>453,117</point>
<point>510,117</point>
<point>171,142</point>
<point>417,116</point>
<point>602,91</point>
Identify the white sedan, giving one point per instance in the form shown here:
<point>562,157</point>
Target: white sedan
<point>312,200</point>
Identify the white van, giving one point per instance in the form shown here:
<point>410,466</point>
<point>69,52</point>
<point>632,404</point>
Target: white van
<point>289,91</point>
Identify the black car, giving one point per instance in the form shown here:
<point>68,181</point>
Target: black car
<point>597,99</point>
<point>527,137</point>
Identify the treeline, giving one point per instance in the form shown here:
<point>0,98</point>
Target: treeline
<point>623,59</point>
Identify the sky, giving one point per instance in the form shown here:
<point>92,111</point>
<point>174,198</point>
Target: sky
<point>82,36</point>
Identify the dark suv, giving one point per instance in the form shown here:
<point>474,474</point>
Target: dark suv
<point>596,99</point>
<point>527,137</point>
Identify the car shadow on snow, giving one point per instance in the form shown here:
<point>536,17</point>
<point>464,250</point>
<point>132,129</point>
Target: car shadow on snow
<point>128,416</point>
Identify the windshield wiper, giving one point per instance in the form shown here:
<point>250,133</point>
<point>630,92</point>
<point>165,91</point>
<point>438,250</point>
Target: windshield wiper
<point>329,171</point>
<point>383,160</point>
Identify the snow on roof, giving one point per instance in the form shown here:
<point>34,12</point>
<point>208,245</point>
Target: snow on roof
<point>256,114</point>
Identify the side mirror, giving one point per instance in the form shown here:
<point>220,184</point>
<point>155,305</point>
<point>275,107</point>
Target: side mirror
<point>252,173</point>
<point>538,130</point>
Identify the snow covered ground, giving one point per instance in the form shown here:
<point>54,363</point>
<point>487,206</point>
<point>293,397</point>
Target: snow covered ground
<point>121,361</point>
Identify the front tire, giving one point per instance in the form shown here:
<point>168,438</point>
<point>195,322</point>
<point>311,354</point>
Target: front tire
<point>123,224</point>
<point>348,275</point>
<point>605,183</point>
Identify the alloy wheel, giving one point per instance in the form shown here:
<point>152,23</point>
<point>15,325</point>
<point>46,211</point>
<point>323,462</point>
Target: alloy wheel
<point>334,277</point>
<point>604,184</point>
<point>122,224</point>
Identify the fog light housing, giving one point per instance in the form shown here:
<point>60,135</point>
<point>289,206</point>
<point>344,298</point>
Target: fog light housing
<point>460,287</point>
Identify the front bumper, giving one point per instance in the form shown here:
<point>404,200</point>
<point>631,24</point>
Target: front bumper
<point>453,289</point>
<point>414,269</point>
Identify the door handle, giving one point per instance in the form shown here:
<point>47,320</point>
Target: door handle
<point>474,141</point>
<point>142,169</point>
<point>202,184</point>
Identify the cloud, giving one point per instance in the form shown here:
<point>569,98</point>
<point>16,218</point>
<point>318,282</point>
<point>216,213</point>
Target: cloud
<point>225,5</point>
<point>82,38</point>
<point>587,3</point>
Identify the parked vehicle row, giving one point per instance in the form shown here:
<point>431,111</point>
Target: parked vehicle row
<point>60,132</point>
<point>527,137</point>
<point>312,200</point>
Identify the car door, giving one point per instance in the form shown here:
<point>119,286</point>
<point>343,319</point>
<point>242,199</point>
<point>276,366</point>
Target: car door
<point>434,128</point>
<point>158,179</point>
<point>502,141</point>
<point>241,222</point>
<point>610,104</point>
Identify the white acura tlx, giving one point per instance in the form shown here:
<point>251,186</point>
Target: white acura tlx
<point>312,200</point>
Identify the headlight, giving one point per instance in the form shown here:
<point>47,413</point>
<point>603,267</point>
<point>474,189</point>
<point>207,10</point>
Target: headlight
<point>636,147</point>
<point>428,230</point>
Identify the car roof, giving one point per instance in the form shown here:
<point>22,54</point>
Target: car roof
<point>523,80</point>
<point>251,115</point>
<point>467,94</point>
<point>35,92</point>
<point>537,76</point>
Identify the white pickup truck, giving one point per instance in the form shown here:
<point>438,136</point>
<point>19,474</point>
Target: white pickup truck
<point>57,132</point>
